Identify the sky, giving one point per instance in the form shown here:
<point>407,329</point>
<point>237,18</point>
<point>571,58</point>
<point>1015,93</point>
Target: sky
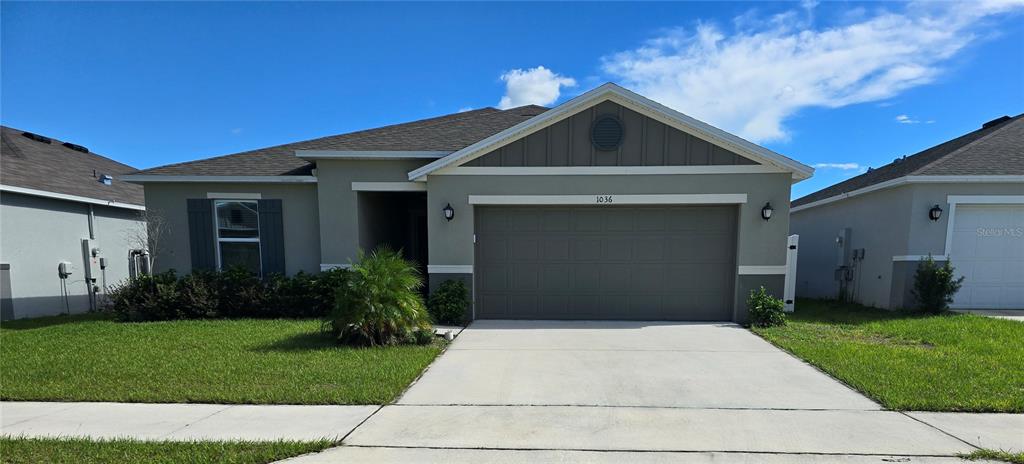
<point>840,86</point>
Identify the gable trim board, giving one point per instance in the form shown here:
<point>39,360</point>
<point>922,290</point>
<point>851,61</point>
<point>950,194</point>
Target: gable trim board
<point>610,199</point>
<point>369,155</point>
<point>608,170</point>
<point>234,196</point>
<point>912,180</point>
<point>144,178</point>
<point>64,196</point>
<point>955,200</point>
<point>632,101</point>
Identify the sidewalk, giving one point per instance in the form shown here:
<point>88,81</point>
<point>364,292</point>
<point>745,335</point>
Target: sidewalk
<point>180,422</point>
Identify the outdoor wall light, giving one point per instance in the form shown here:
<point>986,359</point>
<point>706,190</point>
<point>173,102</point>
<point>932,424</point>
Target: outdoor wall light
<point>449,212</point>
<point>935,213</point>
<point>766,212</point>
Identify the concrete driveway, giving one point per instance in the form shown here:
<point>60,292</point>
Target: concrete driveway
<point>710,391</point>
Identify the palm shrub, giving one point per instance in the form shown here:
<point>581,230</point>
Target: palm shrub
<point>934,285</point>
<point>447,305</point>
<point>381,305</point>
<point>765,310</point>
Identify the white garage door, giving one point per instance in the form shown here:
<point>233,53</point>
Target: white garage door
<point>988,250</point>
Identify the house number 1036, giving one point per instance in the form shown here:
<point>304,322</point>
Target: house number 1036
<point>604,198</point>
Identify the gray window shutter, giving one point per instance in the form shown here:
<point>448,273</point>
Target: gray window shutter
<point>271,237</point>
<point>201,234</point>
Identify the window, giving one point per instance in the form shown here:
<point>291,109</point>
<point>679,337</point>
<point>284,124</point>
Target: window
<point>238,234</point>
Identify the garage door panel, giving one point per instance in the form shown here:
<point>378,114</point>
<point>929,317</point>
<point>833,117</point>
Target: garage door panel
<point>646,263</point>
<point>987,249</point>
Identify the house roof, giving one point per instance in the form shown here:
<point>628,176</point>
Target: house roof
<point>57,168</point>
<point>446,134</point>
<point>996,149</point>
<point>633,101</point>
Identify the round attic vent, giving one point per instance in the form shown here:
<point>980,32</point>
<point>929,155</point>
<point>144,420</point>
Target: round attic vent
<point>606,134</point>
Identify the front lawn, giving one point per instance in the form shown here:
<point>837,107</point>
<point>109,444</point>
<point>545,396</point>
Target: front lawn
<point>87,358</point>
<point>950,362</point>
<point>84,451</point>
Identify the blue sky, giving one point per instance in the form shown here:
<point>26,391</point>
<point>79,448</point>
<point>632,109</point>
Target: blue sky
<point>841,86</point>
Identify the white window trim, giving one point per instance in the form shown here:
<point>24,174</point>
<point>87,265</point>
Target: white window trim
<point>761,270</point>
<point>606,170</point>
<point>449,269</point>
<point>954,200</point>
<point>234,196</point>
<point>218,239</point>
<point>595,199</point>
<point>389,187</point>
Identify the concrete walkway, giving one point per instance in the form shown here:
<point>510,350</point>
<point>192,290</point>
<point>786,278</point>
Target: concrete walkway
<point>179,421</point>
<point>1010,314</point>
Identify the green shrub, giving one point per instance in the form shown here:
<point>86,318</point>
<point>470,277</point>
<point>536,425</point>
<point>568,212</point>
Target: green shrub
<point>934,286</point>
<point>148,298</point>
<point>243,294</point>
<point>447,305</point>
<point>381,305</point>
<point>197,297</point>
<point>304,295</point>
<point>765,310</point>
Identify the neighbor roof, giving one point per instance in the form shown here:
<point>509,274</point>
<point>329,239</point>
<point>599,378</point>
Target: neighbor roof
<point>996,149</point>
<point>446,133</point>
<point>54,167</point>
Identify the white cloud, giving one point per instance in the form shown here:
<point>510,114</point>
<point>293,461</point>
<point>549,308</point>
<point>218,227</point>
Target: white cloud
<point>535,86</point>
<point>750,81</point>
<point>841,166</point>
<point>236,131</point>
<point>904,119</point>
<point>465,109</point>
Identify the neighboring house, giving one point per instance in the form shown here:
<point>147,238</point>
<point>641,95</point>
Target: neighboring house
<point>61,203</point>
<point>609,206</point>
<point>962,200</point>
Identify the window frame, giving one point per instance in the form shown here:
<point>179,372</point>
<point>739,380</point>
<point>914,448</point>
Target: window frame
<point>218,239</point>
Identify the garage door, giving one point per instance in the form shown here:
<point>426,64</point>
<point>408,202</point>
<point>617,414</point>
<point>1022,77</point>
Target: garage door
<point>626,262</point>
<point>988,250</point>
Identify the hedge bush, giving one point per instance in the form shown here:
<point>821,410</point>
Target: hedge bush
<point>234,293</point>
<point>447,305</point>
<point>765,310</point>
<point>934,286</point>
<point>381,303</point>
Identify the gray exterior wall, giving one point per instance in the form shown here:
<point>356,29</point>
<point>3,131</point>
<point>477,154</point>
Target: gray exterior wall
<point>886,223</point>
<point>645,142</point>
<point>299,208</point>
<point>759,242</point>
<point>36,233</point>
<point>339,205</point>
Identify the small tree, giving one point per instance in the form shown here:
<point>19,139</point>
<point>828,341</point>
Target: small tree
<point>149,234</point>
<point>765,310</point>
<point>934,286</point>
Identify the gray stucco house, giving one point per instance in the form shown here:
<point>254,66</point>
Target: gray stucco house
<point>61,203</point>
<point>608,206</point>
<point>962,200</point>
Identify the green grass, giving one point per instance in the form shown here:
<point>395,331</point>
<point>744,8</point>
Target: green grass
<point>949,362</point>
<point>993,455</point>
<point>87,358</point>
<point>85,451</point>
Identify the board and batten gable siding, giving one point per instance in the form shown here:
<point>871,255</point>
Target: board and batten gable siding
<point>298,230</point>
<point>645,142</point>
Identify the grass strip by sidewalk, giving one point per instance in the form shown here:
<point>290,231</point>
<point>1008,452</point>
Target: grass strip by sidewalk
<point>908,361</point>
<point>86,451</point>
<point>994,455</point>
<point>88,358</point>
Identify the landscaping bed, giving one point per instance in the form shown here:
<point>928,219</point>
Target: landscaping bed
<point>257,361</point>
<point>84,451</point>
<point>911,361</point>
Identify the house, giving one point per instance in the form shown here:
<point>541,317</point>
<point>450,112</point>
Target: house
<point>608,206</point>
<point>61,203</point>
<point>961,200</point>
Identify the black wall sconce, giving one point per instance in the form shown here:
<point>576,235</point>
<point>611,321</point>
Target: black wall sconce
<point>766,212</point>
<point>935,213</point>
<point>449,212</point>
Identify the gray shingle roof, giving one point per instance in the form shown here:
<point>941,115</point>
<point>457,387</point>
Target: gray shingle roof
<point>994,150</point>
<point>443,133</point>
<point>53,167</point>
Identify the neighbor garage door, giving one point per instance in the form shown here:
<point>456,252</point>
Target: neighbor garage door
<point>624,262</point>
<point>988,250</point>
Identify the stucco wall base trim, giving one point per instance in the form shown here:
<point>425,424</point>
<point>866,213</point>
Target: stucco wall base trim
<point>761,270</point>
<point>449,268</point>
<point>919,257</point>
<point>327,267</point>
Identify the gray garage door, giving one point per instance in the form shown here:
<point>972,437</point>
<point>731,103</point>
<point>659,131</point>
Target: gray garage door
<point>625,262</point>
